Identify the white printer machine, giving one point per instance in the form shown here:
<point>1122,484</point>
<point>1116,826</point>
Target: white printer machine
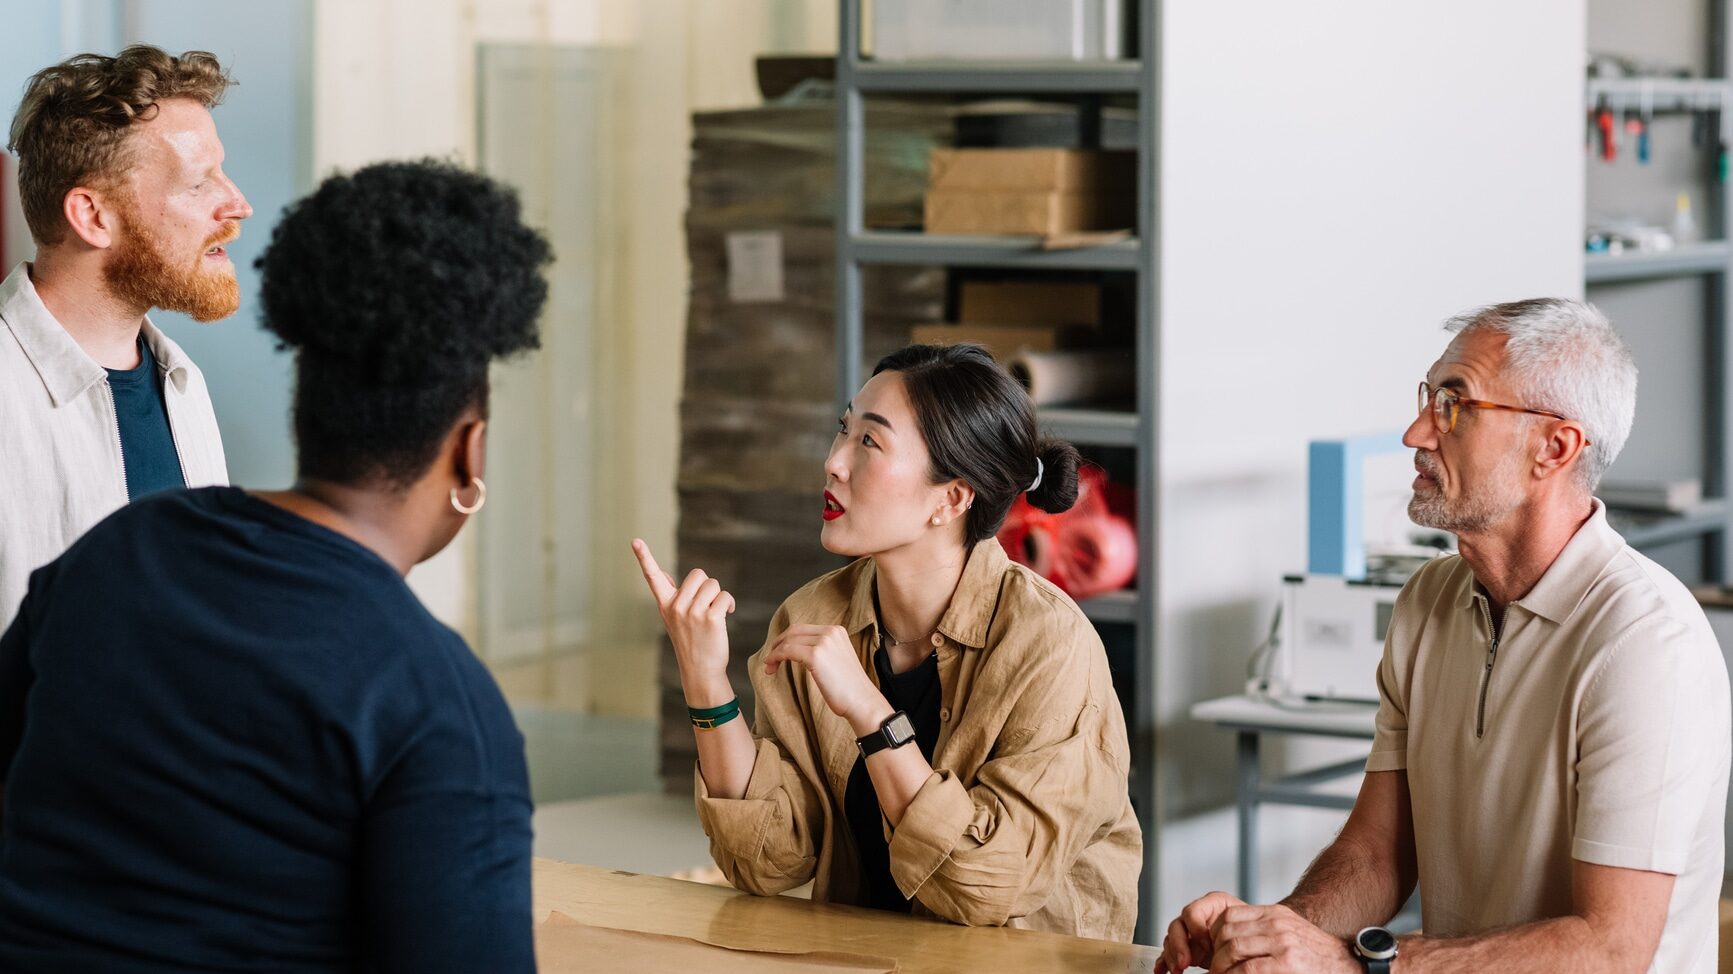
<point>1332,637</point>
<point>1334,618</point>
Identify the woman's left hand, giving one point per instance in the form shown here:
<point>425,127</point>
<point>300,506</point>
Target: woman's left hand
<point>830,657</point>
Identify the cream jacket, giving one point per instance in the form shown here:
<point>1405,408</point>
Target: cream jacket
<point>60,463</point>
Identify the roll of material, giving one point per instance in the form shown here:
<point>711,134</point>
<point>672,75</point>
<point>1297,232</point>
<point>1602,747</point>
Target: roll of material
<point>1093,375</point>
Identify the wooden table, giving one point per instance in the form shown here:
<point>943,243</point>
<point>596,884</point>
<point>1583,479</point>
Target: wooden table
<point>725,917</point>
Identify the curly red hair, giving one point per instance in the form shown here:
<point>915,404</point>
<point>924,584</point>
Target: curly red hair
<point>72,125</point>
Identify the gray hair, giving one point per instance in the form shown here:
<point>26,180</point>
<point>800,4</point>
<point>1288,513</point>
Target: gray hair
<point>1565,357</point>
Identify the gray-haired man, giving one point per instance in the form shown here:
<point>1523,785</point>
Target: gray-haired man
<point>1553,739</point>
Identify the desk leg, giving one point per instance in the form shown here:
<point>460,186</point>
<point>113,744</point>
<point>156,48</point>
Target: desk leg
<point>1248,809</point>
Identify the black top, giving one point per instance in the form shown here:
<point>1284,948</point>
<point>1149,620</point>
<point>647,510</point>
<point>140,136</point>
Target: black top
<point>917,694</point>
<point>147,444</point>
<point>232,740</point>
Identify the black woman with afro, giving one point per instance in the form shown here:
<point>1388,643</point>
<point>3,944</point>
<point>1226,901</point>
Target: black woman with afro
<point>231,738</point>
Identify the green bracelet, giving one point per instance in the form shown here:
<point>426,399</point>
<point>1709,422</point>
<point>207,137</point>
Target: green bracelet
<point>713,717</point>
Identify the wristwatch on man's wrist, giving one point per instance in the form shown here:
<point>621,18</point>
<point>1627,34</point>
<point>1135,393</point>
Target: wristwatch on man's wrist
<point>896,731</point>
<point>1376,949</point>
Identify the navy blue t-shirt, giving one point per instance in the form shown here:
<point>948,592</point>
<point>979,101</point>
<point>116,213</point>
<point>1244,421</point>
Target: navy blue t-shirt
<point>232,740</point>
<point>147,444</point>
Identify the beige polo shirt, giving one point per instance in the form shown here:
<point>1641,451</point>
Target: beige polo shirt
<point>1026,820</point>
<point>1595,727</point>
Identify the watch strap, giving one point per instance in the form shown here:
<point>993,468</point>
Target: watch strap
<point>880,739</point>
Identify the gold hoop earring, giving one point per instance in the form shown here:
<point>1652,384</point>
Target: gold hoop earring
<point>480,498</point>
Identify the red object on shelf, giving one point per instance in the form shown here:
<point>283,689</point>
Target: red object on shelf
<point>1086,551</point>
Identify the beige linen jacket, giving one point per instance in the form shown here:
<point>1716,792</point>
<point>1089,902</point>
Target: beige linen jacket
<point>1026,820</point>
<point>60,463</point>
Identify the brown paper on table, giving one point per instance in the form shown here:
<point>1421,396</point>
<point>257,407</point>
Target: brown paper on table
<point>567,946</point>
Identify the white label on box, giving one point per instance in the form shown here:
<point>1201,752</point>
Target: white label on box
<point>755,266</point>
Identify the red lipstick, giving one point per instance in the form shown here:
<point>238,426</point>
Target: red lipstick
<point>832,509</point>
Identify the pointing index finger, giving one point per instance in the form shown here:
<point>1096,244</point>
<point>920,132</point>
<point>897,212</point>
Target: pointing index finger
<point>661,585</point>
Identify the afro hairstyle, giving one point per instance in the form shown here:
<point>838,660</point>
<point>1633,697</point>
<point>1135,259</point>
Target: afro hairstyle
<point>396,286</point>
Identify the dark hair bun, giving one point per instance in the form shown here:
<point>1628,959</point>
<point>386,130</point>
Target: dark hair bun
<point>409,272</point>
<point>1058,488</point>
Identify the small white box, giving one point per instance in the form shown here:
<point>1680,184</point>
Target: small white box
<point>997,30</point>
<point>1333,637</point>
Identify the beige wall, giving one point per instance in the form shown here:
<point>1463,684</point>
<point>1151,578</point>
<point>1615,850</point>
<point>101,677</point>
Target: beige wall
<point>396,78</point>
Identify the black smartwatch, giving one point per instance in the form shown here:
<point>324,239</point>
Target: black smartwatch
<point>896,731</point>
<point>1376,948</point>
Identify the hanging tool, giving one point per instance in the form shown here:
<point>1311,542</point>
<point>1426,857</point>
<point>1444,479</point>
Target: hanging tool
<point>1645,122</point>
<point>1636,133</point>
<point>1609,133</point>
<point>1721,146</point>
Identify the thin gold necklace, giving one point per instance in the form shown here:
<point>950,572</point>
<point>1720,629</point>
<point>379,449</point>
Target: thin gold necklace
<point>894,641</point>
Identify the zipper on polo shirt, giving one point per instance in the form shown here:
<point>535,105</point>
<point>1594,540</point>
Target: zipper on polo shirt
<point>1486,676</point>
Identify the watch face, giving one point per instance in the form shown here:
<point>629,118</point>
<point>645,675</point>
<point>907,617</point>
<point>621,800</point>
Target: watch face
<point>1376,943</point>
<point>900,730</point>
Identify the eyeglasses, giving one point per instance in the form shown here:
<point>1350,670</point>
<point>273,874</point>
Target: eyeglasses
<point>1447,406</point>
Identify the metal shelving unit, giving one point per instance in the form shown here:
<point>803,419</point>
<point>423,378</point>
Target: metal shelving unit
<point>1094,427</point>
<point>1708,257</point>
<point>1648,530</point>
<point>1113,607</point>
<point>1004,77</point>
<point>856,246</point>
<point>1655,94</point>
<point>904,247</point>
<point>1710,523</point>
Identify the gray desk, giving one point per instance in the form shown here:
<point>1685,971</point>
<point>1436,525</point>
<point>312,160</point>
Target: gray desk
<point>1250,719</point>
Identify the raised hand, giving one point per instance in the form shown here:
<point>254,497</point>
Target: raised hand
<point>695,613</point>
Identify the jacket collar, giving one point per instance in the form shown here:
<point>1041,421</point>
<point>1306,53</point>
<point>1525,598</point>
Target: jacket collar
<point>67,372</point>
<point>1568,580</point>
<point>971,610</point>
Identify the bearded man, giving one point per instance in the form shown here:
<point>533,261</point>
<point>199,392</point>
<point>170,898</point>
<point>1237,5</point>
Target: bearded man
<point>121,180</point>
<point>1550,765</point>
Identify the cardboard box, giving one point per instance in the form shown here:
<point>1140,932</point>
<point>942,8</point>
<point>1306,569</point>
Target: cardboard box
<point>1003,341</point>
<point>1102,172</point>
<point>1030,303</point>
<point>1041,213</point>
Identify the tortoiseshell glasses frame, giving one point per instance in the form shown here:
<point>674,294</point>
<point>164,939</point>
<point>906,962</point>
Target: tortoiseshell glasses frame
<point>1447,407</point>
